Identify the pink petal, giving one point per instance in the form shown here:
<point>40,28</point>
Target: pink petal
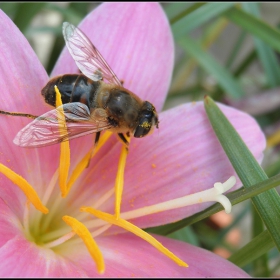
<point>136,41</point>
<point>126,255</point>
<point>22,77</point>
<point>182,157</point>
<point>188,159</point>
<point>9,222</point>
<point>22,258</point>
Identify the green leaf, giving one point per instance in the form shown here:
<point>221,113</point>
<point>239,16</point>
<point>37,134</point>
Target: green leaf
<point>265,53</point>
<point>185,234</point>
<point>253,250</point>
<point>235,197</point>
<point>198,17</point>
<point>260,265</point>
<point>224,78</point>
<point>245,63</point>
<point>25,13</point>
<point>257,27</point>
<point>249,171</point>
<point>184,12</point>
<point>172,10</point>
<point>236,50</point>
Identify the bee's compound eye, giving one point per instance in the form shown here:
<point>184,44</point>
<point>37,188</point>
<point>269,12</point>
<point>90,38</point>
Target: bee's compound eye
<point>143,128</point>
<point>147,114</point>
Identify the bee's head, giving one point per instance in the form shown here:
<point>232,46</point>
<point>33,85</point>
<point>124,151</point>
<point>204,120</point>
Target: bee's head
<point>148,118</point>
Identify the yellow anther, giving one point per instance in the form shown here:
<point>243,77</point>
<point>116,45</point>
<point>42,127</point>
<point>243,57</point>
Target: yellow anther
<point>120,179</point>
<point>134,229</point>
<point>81,230</point>
<point>64,162</point>
<point>30,193</point>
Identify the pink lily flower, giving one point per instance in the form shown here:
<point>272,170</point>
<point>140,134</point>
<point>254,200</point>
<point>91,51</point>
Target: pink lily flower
<point>181,158</point>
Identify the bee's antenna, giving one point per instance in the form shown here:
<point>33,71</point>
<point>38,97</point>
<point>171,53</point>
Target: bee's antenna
<point>18,114</point>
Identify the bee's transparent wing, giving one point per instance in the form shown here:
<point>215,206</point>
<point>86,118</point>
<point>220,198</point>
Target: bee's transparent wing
<point>50,128</point>
<point>87,57</point>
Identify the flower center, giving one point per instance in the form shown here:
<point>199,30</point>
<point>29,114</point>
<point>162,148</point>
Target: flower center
<point>49,231</point>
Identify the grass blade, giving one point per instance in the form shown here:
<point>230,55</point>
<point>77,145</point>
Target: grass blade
<point>198,17</point>
<point>253,250</point>
<point>255,26</point>
<point>224,78</point>
<point>265,53</point>
<point>249,171</point>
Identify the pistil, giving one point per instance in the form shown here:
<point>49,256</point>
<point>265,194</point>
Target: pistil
<point>214,194</point>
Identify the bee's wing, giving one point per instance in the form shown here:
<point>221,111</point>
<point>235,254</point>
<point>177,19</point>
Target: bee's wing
<point>51,128</point>
<point>87,57</point>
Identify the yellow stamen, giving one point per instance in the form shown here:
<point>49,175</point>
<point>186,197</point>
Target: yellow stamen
<point>273,139</point>
<point>120,179</point>
<point>64,162</point>
<point>91,245</point>
<point>30,193</point>
<point>134,229</point>
<point>64,165</point>
<point>83,163</point>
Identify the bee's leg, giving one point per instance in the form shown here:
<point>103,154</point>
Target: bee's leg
<point>123,139</point>
<point>84,162</point>
<point>18,114</point>
<point>97,136</point>
<point>120,174</point>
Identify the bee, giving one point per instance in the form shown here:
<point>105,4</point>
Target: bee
<point>93,101</point>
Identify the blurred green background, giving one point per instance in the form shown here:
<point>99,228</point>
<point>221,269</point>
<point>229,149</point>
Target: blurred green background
<point>229,51</point>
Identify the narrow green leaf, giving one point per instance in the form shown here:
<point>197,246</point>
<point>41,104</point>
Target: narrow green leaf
<point>245,63</point>
<point>253,250</point>
<point>224,78</point>
<point>260,265</point>
<point>184,12</point>
<point>236,49</point>
<point>265,53</point>
<point>186,66</point>
<point>234,197</point>
<point>172,10</point>
<point>249,171</point>
<point>198,17</point>
<point>257,27</point>
<point>25,13</point>
<point>185,234</point>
